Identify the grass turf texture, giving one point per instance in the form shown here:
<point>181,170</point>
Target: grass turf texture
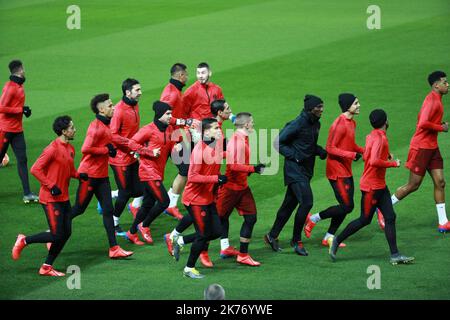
<point>266,55</point>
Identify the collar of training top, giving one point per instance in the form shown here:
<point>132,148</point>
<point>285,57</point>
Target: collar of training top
<point>311,117</point>
<point>103,119</point>
<point>161,126</point>
<point>178,84</point>
<point>17,79</point>
<point>129,102</point>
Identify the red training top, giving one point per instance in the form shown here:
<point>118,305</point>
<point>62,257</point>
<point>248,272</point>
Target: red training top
<point>375,161</point>
<point>341,148</point>
<point>11,107</point>
<point>55,167</point>
<point>125,124</point>
<point>143,142</point>
<point>429,122</point>
<point>198,97</point>
<point>238,162</point>
<point>204,171</point>
<point>173,97</point>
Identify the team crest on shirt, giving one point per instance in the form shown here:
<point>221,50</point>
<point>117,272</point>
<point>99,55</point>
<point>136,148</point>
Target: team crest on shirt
<point>158,183</point>
<point>203,213</point>
<point>56,212</point>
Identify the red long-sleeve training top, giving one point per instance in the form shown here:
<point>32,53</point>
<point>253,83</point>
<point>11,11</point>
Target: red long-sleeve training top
<point>55,167</point>
<point>429,122</point>
<point>341,148</point>
<point>376,156</point>
<point>125,124</point>
<point>198,97</point>
<point>238,162</point>
<point>204,171</point>
<point>147,139</point>
<point>11,107</point>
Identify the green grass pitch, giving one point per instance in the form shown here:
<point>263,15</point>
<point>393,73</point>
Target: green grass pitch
<point>266,55</point>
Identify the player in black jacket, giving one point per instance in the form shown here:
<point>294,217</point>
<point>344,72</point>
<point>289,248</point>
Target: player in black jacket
<point>298,145</point>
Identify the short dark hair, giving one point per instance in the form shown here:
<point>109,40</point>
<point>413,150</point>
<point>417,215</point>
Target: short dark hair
<point>435,76</point>
<point>128,84</point>
<point>61,123</point>
<point>177,67</point>
<point>203,65</point>
<point>97,99</point>
<point>14,66</point>
<point>216,106</point>
<point>207,124</point>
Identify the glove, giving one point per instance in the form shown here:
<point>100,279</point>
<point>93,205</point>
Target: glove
<point>189,122</point>
<point>84,176</point>
<point>358,156</point>
<point>259,168</point>
<point>55,191</point>
<point>323,154</point>
<point>112,151</point>
<point>27,111</point>
<point>222,180</point>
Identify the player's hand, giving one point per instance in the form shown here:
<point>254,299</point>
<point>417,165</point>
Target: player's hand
<point>84,176</point>
<point>55,191</point>
<point>156,152</point>
<point>111,150</point>
<point>180,122</point>
<point>189,122</point>
<point>398,162</point>
<point>222,179</point>
<point>323,154</point>
<point>27,111</point>
<point>445,126</point>
<point>357,156</point>
<point>259,168</point>
<point>178,147</point>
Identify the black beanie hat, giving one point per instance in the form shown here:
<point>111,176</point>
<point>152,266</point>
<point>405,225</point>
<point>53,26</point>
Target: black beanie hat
<point>311,101</point>
<point>160,108</point>
<point>346,100</point>
<point>378,118</point>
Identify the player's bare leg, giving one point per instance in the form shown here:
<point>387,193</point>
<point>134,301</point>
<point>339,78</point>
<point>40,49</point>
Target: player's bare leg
<point>439,196</point>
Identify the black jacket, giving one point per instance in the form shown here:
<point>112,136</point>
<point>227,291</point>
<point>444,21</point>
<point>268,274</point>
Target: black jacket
<point>298,144</point>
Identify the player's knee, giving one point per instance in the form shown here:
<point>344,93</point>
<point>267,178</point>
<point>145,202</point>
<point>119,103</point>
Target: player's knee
<point>165,203</point>
<point>414,187</point>
<point>250,220</point>
<point>347,208</point>
<point>307,205</point>
<point>441,184</point>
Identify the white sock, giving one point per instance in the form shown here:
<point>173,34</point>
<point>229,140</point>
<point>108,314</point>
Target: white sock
<point>440,207</point>
<point>180,241</point>
<point>224,243</point>
<point>174,234</point>
<point>328,235</point>
<point>173,198</point>
<point>137,202</point>
<point>116,221</point>
<point>315,218</point>
<point>394,199</point>
<point>114,193</point>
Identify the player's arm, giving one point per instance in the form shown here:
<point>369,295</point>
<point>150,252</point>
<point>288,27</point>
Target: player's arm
<point>195,167</point>
<point>136,143</point>
<point>375,156</point>
<point>236,156</point>
<point>424,119</point>
<point>287,135</point>
<point>6,99</point>
<point>90,143</point>
<point>41,164</point>
<point>337,134</point>
<point>115,125</point>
